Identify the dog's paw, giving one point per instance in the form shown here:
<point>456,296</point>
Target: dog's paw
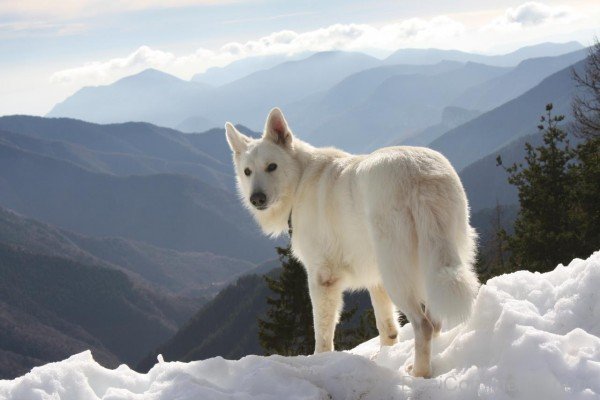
<point>418,373</point>
<point>389,339</point>
<point>389,334</point>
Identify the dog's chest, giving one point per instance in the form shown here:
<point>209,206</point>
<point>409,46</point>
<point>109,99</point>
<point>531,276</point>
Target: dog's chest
<point>343,248</point>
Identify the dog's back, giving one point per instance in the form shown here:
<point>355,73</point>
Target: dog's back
<point>398,205</point>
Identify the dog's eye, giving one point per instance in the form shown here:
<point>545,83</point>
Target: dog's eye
<point>271,167</point>
<point>247,172</point>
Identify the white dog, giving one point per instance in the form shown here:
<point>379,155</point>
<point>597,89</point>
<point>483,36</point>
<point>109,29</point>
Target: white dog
<point>395,222</point>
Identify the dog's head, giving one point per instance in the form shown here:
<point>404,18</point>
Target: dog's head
<point>267,172</point>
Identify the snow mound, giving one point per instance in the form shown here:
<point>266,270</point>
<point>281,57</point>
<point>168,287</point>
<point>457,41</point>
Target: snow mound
<point>531,336</point>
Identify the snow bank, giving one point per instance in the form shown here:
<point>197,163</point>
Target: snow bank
<point>532,336</point>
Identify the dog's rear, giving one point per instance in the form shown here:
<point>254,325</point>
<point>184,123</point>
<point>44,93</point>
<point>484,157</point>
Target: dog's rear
<point>419,225</point>
<point>424,207</point>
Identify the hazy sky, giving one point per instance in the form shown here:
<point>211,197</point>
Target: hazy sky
<point>50,49</point>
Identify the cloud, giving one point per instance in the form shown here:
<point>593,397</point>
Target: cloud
<point>532,14</point>
<point>405,33</point>
<point>439,31</point>
<point>104,72</point>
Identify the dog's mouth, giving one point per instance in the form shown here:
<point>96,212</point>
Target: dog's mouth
<point>267,205</point>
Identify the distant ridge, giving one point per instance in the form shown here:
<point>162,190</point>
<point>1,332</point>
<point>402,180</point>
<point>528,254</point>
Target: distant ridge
<point>151,96</point>
<point>191,274</point>
<point>218,76</point>
<point>524,76</point>
<point>131,148</point>
<point>166,209</point>
<point>164,100</point>
<point>432,56</point>
<point>395,107</point>
<point>500,126</point>
<point>246,90</point>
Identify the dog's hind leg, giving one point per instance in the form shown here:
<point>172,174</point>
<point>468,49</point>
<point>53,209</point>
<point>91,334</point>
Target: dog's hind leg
<point>437,325</point>
<point>395,242</point>
<point>409,303</point>
<point>423,329</point>
<point>385,316</point>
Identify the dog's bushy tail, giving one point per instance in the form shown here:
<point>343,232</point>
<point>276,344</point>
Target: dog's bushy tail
<point>451,283</point>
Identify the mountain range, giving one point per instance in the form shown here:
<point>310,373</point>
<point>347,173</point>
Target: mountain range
<point>191,274</point>
<point>433,56</point>
<point>170,101</point>
<point>121,149</point>
<point>518,117</point>
<point>167,100</point>
<point>166,209</point>
<point>131,222</point>
<point>195,106</point>
<point>397,106</point>
<point>495,92</point>
<point>398,103</point>
<point>52,306</point>
<point>218,76</point>
<point>172,211</point>
<point>63,292</point>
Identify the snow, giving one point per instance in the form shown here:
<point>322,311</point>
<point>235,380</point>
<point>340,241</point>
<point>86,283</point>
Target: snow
<point>531,336</point>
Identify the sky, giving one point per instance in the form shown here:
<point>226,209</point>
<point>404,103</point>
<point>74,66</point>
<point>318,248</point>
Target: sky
<point>51,49</point>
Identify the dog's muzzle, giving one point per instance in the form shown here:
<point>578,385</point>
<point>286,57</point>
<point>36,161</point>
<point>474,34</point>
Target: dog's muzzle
<point>259,200</point>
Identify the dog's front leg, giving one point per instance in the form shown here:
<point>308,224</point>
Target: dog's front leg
<point>326,298</point>
<point>385,316</point>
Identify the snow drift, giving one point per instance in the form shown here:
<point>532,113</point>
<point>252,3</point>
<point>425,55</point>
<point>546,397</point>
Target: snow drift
<point>531,336</point>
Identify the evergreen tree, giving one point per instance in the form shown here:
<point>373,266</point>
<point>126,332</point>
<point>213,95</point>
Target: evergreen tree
<point>353,331</point>
<point>586,110</point>
<point>585,209</point>
<point>545,232</point>
<point>288,327</point>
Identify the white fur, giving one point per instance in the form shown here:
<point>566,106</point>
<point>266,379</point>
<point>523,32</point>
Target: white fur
<point>395,222</point>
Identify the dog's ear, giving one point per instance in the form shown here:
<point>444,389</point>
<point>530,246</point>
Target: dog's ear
<point>237,140</point>
<point>277,130</point>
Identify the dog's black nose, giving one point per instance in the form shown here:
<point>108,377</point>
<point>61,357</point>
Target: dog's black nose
<point>258,199</point>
